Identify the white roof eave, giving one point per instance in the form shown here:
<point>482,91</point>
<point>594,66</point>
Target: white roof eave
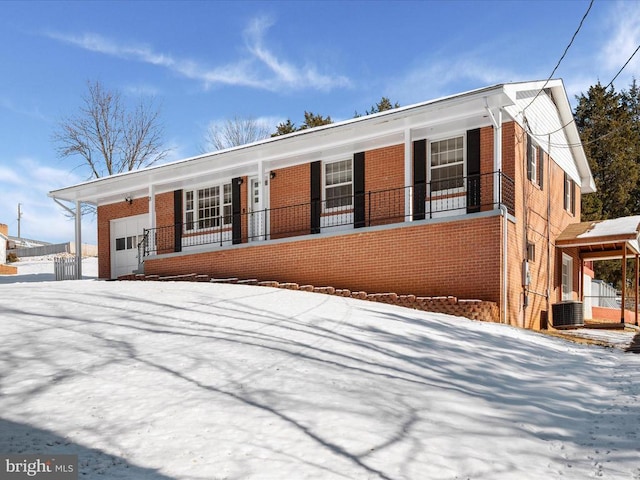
<point>297,147</point>
<point>587,183</point>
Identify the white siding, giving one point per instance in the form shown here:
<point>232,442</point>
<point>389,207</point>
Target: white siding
<point>542,119</point>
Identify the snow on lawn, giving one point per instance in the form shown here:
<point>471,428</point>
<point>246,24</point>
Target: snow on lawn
<point>157,380</point>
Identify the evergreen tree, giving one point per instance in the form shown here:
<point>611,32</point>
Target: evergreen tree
<point>610,140</point>
<point>285,127</point>
<point>312,120</point>
<point>609,126</point>
<point>381,106</point>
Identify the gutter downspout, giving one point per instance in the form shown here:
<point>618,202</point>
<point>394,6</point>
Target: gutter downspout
<point>497,196</point>
<point>548,292</point>
<point>505,223</point>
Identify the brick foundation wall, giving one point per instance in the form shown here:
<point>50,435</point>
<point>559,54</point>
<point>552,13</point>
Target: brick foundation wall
<point>8,270</point>
<point>457,258</point>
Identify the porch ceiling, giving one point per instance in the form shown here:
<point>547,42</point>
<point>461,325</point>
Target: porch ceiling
<point>603,239</point>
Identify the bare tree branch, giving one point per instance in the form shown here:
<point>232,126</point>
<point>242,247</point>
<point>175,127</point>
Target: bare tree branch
<point>234,132</point>
<point>106,138</point>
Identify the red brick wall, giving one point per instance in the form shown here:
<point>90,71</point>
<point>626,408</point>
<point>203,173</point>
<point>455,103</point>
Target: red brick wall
<point>486,168</point>
<point>290,194</point>
<point>106,213</point>
<point>384,174</point>
<point>459,258</point>
<point>534,225</point>
<point>165,219</point>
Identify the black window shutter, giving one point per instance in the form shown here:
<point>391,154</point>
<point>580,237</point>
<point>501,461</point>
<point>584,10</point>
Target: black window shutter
<point>236,210</point>
<point>358,190</point>
<point>177,220</point>
<point>540,167</point>
<point>419,178</point>
<point>316,195</point>
<point>473,170</point>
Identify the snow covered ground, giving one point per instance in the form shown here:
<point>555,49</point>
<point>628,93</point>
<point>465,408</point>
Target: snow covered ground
<point>148,380</point>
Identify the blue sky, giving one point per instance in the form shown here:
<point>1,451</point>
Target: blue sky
<point>208,61</point>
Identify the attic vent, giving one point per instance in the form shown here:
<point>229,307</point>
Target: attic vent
<point>526,94</point>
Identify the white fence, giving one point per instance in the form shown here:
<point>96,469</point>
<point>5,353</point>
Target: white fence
<point>52,249</point>
<point>65,268</point>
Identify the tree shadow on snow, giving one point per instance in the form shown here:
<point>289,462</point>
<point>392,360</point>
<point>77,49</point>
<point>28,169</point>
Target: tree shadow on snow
<point>21,438</point>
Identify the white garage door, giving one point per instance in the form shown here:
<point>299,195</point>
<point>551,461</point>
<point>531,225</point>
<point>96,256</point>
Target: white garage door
<point>126,233</point>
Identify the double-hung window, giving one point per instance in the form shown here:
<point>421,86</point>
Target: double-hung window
<point>532,162</point>
<point>208,207</point>
<point>567,277</point>
<point>338,184</point>
<point>569,195</point>
<point>447,164</point>
<point>535,163</point>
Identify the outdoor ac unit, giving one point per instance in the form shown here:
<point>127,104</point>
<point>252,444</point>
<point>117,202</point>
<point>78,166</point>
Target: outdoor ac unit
<point>567,314</point>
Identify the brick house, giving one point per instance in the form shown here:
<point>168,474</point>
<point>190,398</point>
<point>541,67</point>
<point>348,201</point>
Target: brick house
<point>461,196</point>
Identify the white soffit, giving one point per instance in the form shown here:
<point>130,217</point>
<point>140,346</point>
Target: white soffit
<point>549,120</point>
<point>462,111</point>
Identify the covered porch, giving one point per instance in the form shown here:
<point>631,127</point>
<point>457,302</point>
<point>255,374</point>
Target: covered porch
<point>614,239</point>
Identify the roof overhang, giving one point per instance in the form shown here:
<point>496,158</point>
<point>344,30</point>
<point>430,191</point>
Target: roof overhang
<point>603,239</point>
<point>467,110</point>
<point>428,119</point>
<point>559,95</point>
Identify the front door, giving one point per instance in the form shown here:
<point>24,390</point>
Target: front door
<point>126,234</point>
<point>257,216</point>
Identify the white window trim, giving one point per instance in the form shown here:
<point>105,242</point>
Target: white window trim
<point>532,169</point>
<point>324,186</point>
<point>440,138</point>
<point>569,194</point>
<point>567,260</point>
<point>196,220</point>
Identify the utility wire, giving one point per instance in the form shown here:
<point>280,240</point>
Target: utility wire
<point>563,55</point>
<point>622,68</point>
<point>573,118</point>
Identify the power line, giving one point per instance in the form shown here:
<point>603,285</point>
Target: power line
<point>573,118</point>
<point>563,55</point>
<point>623,67</point>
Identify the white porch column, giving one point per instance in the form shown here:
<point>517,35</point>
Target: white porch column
<point>78,232</point>
<point>497,157</point>
<point>408,177</point>
<point>262,179</point>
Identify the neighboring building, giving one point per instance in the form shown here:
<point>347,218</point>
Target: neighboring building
<point>461,196</point>
<point>4,241</point>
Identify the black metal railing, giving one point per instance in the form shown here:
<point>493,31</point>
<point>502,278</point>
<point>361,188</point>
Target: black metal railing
<point>434,199</point>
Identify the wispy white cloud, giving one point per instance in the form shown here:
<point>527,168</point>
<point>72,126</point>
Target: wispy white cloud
<point>624,25</point>
<point>443,76</point>
<point>260,68</point>
<point>10,176</point>
<point>41,219</point>
<point>35,113</point>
